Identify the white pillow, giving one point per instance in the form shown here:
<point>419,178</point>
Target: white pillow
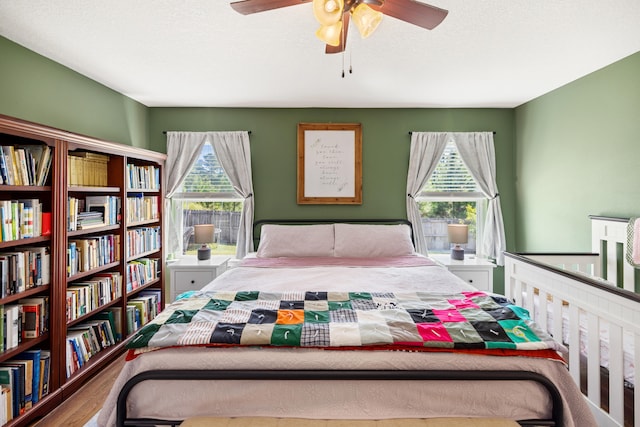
<point>295,241</point>
<point>372,240</point>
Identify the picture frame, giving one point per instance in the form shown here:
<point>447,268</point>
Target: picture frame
<point>329,163</point>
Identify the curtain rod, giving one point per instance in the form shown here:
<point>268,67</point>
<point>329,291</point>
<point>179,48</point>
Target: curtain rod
<point>412,131</point>
<point>164,132</point>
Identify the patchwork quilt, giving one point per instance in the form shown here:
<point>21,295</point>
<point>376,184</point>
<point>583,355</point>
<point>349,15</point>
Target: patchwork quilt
<point>466,320</point>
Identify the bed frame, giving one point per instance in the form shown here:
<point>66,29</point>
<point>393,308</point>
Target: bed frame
<point>338,375</point>
<point>599,287</point>
<point>557,410</point>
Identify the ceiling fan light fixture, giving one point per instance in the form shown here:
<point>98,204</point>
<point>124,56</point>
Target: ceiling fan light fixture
<point>328,12</point>
<point>330,34</point>
<point>366,19</point>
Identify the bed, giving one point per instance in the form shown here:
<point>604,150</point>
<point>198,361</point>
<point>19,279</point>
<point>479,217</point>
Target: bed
<point>343,321</point>
<point>600,314</point>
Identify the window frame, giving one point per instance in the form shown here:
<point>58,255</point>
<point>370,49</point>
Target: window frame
<point>476,197</point>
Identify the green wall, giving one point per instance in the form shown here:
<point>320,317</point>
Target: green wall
<point>385,151</point>
<point>578,154</point>
<point>39,90</point>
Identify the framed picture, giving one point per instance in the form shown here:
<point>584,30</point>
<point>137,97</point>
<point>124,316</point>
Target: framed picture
<point>330,163</point>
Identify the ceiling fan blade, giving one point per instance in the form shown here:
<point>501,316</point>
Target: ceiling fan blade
<point>343,37</point>
<point>413,12</point>
<point>247,7</point>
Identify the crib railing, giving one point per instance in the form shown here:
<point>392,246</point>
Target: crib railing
<point>583,305</point>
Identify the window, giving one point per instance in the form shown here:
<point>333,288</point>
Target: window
<point>451,196</point>
<point>206,196</point>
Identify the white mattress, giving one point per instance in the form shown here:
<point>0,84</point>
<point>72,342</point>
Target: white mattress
<point>342,399</point>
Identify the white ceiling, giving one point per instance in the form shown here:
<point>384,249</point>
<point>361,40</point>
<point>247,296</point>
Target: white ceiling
<point>486,53</point>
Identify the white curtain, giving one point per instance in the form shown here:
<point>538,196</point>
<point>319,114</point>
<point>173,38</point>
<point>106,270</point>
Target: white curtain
<point>233,152</point>
<point>426,150</point>
<point>183,149</point>
<point>478,153</point>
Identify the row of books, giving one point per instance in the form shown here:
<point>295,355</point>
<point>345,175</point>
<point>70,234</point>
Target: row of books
<point>24,381</point>
<point>92,211</point>
<point>143,177</point>
<point>23,269</point>
<point>88,295</point>
<point>141,271</point>
<point>143,208</point>
<point>144,239</point>
<point>142,309</point>
<point>28,318</point>
<point>88,253</point>
<point>87,339</point>
<point>23,219</point>
<point>25,164</point>
<point>87,169</point>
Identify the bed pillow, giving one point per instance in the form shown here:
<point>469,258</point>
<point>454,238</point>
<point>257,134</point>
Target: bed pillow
<point>369,240</point>
<point>296,241</point>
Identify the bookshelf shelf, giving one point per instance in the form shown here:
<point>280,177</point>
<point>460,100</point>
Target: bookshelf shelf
<point>86,170</point>
<point>26,294</point>
<point>93,189</point>
<point>94,312</point>
<point>25,188</point>
<point>93,230</point>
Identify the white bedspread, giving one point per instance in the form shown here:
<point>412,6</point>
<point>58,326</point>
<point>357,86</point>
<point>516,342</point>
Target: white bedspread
<point>341,399</point>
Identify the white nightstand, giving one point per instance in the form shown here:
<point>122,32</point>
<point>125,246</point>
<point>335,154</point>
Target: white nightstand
<point>476,271</point>
<point>189,274</point>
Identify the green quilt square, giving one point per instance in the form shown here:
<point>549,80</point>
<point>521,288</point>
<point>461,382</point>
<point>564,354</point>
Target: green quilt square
<point>286,335</point>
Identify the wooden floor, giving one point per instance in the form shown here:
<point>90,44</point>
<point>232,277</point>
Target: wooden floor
<point>78,409</point>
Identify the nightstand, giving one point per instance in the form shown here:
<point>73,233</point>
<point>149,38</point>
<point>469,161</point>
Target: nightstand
<point>478,272</point>
<point>190,274</point>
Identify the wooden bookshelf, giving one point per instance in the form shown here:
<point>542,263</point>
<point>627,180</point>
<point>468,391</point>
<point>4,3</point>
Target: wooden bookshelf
<point>108,172</point>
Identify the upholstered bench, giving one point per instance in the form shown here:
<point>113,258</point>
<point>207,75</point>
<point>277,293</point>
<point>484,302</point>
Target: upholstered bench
<point>395,422</point>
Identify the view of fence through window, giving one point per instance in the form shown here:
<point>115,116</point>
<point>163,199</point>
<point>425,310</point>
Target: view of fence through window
<point>226,223</point>
<point>435,227</point>
<point>450,196</point>
<point>208,197</point>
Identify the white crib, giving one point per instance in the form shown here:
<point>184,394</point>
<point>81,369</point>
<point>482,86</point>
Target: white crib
<point>600,318</point>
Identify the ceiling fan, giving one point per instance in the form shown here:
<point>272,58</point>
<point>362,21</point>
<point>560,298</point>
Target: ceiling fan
<point>334,15</point>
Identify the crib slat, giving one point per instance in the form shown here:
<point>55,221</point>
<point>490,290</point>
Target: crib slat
<point>574,342</point>
<point>593,358</point>
<point>518,292</point>
<point>557,320</point>
<point>616,374</point>
<point>528,302</point>
<point>542,318</point>
<point>628,272</point>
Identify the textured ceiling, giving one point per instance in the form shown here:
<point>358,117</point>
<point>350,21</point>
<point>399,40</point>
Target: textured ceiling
<point>489,53</point>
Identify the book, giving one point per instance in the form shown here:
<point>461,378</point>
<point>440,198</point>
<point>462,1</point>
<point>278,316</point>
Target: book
<point>34,356</point>
<point>19,390</point>
<point>43,310</point>
<point>8,379</point>
<point>7,404</point>
<point>45,369</point>
<point>30,321</point>
<point>12,326</point>
<point>28,380</point>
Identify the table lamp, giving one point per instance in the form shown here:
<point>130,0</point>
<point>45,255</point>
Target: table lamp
<point>204,234</point>
<point>458,234</point>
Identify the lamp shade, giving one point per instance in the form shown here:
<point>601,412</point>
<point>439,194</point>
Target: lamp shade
<point>330,34</point>
<point>328,12</point>
<point>204,233</point>
<point>366,19</point>
<point>458,233</point>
